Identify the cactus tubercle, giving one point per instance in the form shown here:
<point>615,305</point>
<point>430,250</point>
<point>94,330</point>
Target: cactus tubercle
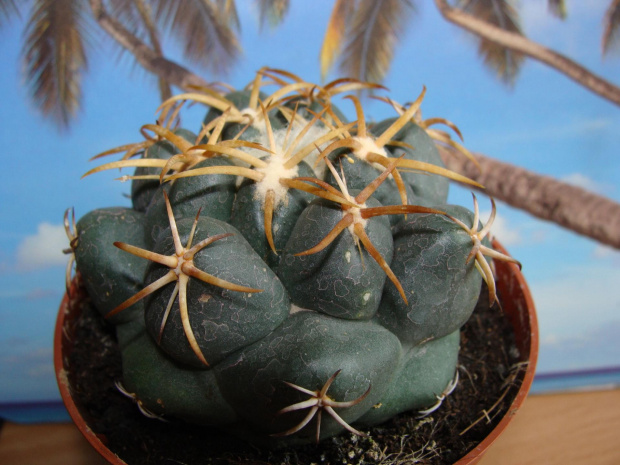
<point>182,267</point>
<point>479,251</point>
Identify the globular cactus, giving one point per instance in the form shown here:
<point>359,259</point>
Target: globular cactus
<point>285,274</point>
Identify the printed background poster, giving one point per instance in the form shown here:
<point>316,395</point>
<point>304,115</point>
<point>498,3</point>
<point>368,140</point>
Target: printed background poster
<point>544,122</point>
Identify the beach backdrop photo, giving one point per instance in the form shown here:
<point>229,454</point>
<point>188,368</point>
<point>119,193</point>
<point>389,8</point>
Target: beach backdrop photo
<point>517,108</point>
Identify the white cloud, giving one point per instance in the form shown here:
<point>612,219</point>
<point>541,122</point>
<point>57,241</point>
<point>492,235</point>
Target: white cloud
<point>585,182</point>
<point>506,233</point>
<point>606,251</point>
<point>580,180</point>
<point>43,249</point>
<point>578,319</point>
<point>577,300</point>
<point>598,347</point>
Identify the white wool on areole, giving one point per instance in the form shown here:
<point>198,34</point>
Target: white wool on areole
<point>276,169</point>
<point>368,145</point>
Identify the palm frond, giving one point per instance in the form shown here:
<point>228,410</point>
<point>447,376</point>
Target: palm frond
<point>502,14</point>
<point>204,31</point>
<point>127,10</point>
<point>55,57</point>
<point>146,15</point>
<point>611,27</point>
<point>7,10</point>
<point>374,33</point>
<point>334,34</point>
<point>138,18</point>
<point>228,10</point>
<point>557,8</point>
<point>272,12</point>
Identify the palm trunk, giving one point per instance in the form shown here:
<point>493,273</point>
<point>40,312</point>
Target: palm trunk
<point>569,206</point>
<point>531,49</point>
<point>150,60</point>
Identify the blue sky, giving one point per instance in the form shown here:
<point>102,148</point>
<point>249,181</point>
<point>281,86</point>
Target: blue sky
<point>546,123</point>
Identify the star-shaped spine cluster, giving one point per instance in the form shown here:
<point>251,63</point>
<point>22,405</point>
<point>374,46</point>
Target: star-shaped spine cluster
<point>181,269</point>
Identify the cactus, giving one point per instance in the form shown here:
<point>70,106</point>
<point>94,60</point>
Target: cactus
<point>284,274</point>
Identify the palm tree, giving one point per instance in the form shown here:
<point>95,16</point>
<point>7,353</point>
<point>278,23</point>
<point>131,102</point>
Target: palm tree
<point>58,39</point>
<point>361,35</point>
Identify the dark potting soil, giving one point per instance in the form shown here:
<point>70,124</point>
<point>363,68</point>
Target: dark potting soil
<point>489,381</point>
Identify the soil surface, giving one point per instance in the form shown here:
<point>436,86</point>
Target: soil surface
<point>489,372</point>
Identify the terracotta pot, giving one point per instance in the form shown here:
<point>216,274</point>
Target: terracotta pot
<point>63,345</point>
<point>517,304</point>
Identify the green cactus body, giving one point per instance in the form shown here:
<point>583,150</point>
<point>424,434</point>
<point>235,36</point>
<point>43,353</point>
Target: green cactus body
<point>166,388</point>
<point>427,189</point>
<point>222,320</point>
<point>143,190</point>
<point>248,216</point>
<point>442,288</point>
<point>155,215</point>
<point>306,350</point>
<point>212,195</point>
<point>240,99</point>
<point>352,319</point>
<point>110,275</point>
<point>342,280</point>
<point>359,174</point>
<point>424,372</point>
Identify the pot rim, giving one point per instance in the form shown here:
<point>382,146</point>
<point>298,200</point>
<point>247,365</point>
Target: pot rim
<point>522,315</point>
<point>61,342</point>
<point>520,311</point>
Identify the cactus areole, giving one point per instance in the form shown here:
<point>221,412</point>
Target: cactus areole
<point>285,274</point>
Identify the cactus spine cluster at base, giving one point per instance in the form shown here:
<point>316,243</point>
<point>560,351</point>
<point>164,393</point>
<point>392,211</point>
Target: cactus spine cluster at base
<point>285,274</point>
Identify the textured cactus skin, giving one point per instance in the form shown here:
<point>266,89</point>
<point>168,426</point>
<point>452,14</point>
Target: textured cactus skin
<point>163,387</point>
<point>442,288</point>
<point>304,351</point>
<point>109,275</point>
<point>247,217</point>
<point>411,391</point>
<point>333,314</point>
<point>225,321</point>
<point>241,99</point>
<point>336,281</point>
<point>359,174</point>
<point>213,196</point>
<point>428,190</point>
<point>143,190</point>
